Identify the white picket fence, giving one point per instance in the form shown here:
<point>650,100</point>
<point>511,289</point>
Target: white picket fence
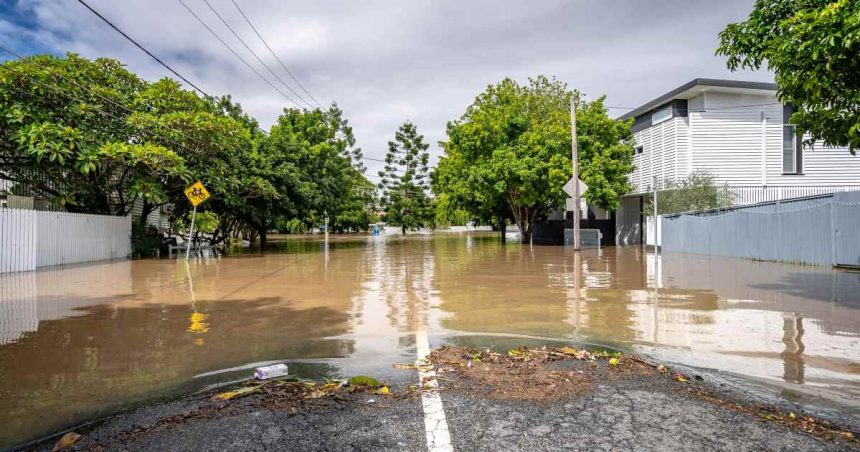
<point>30,239</point>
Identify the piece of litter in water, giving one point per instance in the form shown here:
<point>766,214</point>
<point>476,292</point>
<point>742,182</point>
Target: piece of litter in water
<point>273,371</point>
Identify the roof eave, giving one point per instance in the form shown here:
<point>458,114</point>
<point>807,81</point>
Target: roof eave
<point>695,83</point>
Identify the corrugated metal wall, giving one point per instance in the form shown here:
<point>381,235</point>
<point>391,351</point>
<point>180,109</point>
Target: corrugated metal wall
<point>31,239</point>
<point>818,231</point>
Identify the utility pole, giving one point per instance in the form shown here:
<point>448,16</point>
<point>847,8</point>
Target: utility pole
<point>575,160</point>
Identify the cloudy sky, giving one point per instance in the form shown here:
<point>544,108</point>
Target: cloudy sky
<point>387,61</point>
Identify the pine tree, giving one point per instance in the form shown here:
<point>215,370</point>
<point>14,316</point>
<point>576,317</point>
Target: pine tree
<point>405,180</point>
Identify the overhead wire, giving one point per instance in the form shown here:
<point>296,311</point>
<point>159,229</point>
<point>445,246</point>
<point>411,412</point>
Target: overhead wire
<point>139,46</point>
<point>248,48</point>
<point>278,59</point>
<point>236,54</point>
<point>108,100</point>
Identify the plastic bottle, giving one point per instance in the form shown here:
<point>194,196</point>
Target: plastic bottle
<point>273,371</point>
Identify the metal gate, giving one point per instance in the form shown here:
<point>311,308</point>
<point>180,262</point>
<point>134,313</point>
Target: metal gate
<point>846,228</point>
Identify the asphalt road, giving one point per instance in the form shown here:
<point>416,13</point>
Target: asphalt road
<point>633,414</point>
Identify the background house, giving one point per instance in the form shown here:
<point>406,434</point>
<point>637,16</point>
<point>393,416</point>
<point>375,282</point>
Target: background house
<point>739,133</point>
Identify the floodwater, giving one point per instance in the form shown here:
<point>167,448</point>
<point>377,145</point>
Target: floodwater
<point>84,341</point>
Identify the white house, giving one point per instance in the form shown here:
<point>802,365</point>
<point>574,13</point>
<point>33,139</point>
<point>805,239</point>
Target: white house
<point>738,132</point>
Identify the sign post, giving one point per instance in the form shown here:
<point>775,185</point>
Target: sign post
<point>575,161</point>
<point>196,193</point>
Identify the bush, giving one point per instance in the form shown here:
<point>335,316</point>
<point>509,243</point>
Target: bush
<point>145,240</point>
<point>694,193</point>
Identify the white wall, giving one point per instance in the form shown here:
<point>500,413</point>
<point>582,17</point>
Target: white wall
<point>31,239</point>
<point>727,138</point>
<point>665,153</point>
<point>737,137</point>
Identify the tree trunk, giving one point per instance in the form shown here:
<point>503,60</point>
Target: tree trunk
<point>145,210</point>
<point>502,225</point>
<point>263,233</point>
<point>403,229</point>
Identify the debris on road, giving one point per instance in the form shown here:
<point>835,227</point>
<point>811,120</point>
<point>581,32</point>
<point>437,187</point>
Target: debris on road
<point>534,374</point>
<point>546,375</point>
<point>66,440</point>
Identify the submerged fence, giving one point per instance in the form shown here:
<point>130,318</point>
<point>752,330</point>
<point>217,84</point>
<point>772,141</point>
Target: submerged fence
<point>30,239</point>
<point>820,230</point>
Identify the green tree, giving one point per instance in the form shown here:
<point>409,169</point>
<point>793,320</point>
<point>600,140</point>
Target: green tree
<point>93,137</point>
<point>405,180</point>
<point>509,154</point>
<point>220,147</point>
<point>813,48</point>
<point>447,213</point>
<point>67,133</point>
<point>317,169</point>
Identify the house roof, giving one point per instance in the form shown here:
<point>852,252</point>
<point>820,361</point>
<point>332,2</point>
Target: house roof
<point>694,88</point>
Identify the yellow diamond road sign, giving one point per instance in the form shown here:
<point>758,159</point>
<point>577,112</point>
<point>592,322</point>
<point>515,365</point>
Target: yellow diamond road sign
<point>196,193</point>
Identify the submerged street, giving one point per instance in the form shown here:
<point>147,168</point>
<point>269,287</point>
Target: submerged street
<point>85,341</point>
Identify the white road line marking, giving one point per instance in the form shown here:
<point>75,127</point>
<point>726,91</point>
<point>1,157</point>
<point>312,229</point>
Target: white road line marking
<point>438,436</point>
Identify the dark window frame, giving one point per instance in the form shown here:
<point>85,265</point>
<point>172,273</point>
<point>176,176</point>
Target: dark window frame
<point>797,141</point>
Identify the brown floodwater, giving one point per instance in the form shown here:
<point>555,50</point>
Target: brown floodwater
<point>84,341</point>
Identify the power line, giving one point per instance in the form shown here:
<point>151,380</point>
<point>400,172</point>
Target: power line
<point>274,54</point>
<point>111,101</point>
<point>143,48</point>
<point>117,104</point>
<point>248,48</point>
<point>237,55</point>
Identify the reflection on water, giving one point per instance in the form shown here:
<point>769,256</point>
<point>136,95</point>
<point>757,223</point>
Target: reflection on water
<point>87,340</point>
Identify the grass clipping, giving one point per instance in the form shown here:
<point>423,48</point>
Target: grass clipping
<point>533,374</point>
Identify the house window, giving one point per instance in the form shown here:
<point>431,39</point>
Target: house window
<point>792,151</point>
<point>661,115</point>
<point>638,150</point>
<point>792,144</point>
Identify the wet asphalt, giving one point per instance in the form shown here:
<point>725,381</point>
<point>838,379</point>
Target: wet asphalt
<point>626,415</point>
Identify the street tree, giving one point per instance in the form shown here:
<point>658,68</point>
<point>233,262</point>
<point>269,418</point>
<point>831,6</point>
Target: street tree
<point>509,153</point>
<point>813,48</point>
<point>405,180</point>
<point>66,135</point>
<point>317,170</point>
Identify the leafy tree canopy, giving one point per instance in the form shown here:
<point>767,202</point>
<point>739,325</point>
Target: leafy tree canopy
<point>509,154</point>
<point>813,47</point>
<point>93,137</point>
<point>66,133</point>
